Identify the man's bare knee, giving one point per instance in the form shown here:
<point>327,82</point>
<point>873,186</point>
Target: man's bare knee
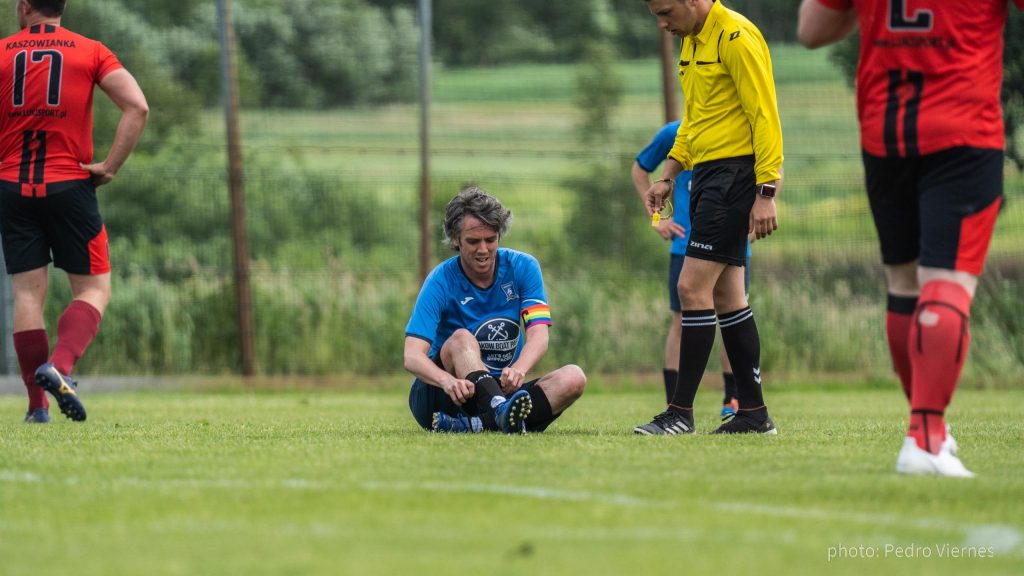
<point>460,354</point>
<point>574,380</point>
<point>691,296</point>
<point>463,339</point>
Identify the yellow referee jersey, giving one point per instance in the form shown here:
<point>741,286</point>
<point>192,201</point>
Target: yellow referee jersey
<point>730,110</point>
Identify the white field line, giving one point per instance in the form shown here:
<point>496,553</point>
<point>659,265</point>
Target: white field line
<point>1001,537</point>
<point>537,492</point>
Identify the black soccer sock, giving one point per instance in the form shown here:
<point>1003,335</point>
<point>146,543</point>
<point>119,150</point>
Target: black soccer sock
<point>670,383</point>
<point>695,345</point>
<point>730,386</point>
<point>743,345</point>
<point>486,388</point>
<point>540,415</point>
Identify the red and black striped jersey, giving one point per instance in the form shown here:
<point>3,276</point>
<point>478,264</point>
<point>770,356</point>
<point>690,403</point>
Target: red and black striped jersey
<point>929,74</point>
<point>47,77</point>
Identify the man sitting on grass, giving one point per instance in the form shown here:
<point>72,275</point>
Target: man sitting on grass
<point>465,339</point>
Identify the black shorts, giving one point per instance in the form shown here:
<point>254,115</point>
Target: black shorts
<point>722,194</point>
<point>64,222</point>
<point>939,209</point>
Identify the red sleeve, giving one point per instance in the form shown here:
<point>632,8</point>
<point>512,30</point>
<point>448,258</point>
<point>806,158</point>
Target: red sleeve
<point>844,5</point>
<point>1019,3</point>
<point>106,62</point>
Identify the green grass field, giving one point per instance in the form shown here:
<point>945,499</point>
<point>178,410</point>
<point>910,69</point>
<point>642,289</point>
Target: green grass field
<point>331,482</point>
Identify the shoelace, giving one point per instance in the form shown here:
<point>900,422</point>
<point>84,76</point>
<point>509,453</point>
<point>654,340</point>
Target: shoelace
<point>668,417</point>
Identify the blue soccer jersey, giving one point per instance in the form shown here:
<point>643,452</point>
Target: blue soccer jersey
<point>497,315</point>
<point>649,159</point>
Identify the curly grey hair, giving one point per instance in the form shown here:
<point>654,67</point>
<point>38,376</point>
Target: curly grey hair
<point>474,201</point>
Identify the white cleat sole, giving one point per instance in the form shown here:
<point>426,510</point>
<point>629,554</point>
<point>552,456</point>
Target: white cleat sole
<point>915,461</point>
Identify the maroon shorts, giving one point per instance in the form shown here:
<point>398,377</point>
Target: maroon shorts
<point>939,209</point>
<point>62,219</point>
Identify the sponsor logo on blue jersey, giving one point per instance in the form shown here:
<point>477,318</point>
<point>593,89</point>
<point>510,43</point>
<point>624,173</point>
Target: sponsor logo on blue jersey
<point>499,339</point>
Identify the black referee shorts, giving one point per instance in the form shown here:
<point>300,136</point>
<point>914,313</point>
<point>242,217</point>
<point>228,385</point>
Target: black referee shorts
<point>721,197</point>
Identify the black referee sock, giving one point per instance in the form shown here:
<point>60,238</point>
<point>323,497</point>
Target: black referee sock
<point>743,345</point>
<point>694,350</point>
<point>670,377</point>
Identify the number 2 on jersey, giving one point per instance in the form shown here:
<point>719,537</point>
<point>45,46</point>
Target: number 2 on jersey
<point>899,20</point>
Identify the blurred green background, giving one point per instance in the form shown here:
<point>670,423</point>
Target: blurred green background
<point>544,104</point>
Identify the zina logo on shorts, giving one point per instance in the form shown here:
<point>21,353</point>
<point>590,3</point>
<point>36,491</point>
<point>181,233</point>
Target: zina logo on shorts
<point>498,338</point>
<point>702,246</point>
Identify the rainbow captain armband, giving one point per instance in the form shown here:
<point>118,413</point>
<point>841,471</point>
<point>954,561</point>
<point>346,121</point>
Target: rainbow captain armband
<point>536,313</point>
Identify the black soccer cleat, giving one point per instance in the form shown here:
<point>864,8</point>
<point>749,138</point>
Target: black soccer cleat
<point>745,424</point>
<point>42,416</point>
<point>62,388</point>
<point>668,422</point>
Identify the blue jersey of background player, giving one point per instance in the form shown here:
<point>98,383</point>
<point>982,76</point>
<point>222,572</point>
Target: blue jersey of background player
<point>647,161</point>
<point>479,326</point>
<point>676,230</point>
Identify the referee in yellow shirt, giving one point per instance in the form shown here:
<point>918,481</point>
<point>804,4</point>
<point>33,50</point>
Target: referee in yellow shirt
<point>732,139</point>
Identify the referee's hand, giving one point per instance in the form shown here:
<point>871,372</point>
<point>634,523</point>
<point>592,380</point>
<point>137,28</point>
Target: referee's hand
<point>654,198</point>
<point>763,219</point>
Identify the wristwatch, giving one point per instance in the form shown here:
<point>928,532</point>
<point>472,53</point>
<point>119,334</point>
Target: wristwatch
<point>766,190</point>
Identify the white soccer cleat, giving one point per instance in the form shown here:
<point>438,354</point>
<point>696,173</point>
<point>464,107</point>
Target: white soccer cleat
<point>950,443</point>
<point>913,460</point>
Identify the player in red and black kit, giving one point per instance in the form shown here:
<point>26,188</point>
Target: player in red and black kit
<point>928,83</point>
<point>48,183</point>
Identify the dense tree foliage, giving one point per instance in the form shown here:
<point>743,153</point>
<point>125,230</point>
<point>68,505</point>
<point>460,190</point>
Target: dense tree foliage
<point>294,53</point>
<point>326,53</point>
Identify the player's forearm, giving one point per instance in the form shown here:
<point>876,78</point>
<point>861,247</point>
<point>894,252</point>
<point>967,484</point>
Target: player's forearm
<point>422,367</point>
<point>129,130</point>
<point>534,349</point>
<point>819,25</point>
<point>641,180</point>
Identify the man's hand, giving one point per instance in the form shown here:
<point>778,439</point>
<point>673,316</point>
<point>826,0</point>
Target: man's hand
<point>99,173</point>
<point>655,197</point>
<point>670,229</point>
<point>458,390</point>
<point>763,219</point>
<point>511,379</point>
